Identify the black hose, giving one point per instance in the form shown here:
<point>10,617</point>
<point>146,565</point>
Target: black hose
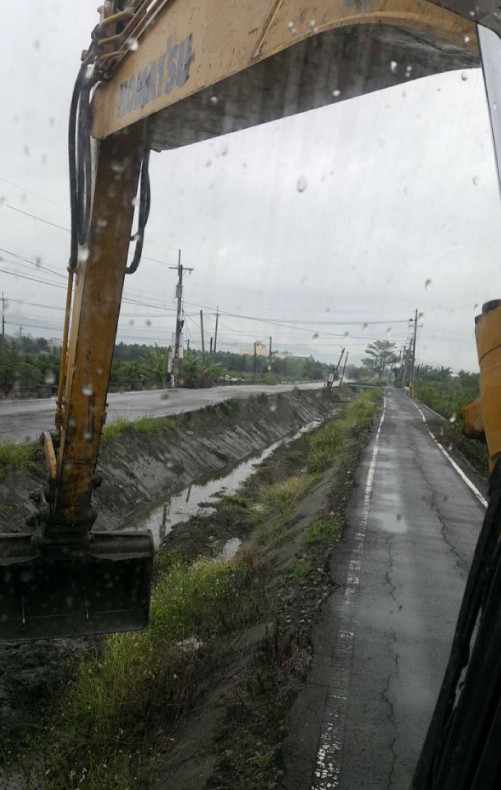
<point>80,167</point>
<point>144,212</point>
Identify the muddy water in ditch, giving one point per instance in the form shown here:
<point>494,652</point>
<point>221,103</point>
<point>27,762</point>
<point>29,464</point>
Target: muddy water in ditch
<point>195,500</point>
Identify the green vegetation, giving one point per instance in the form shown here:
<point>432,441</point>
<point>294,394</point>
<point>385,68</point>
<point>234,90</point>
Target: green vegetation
<point>302,568</point>
<point>324,528</point>
<point>139,682</point>
<point>446,394</point>
<point>18,456</point>
<point>144,426</point>
<point>281,497</point>
<point>333,437</point>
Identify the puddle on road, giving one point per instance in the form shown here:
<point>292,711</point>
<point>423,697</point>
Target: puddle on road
<point>193,500</point>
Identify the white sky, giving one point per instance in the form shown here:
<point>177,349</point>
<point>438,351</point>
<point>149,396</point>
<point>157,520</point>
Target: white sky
<point>400,211</point>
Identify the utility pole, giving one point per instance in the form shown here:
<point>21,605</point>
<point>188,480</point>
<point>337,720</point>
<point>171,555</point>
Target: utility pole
<point>269,356</point>
<point>340,360</point>
<point>215,330</point>
<point>210,346</point>
<point>344,368</point>
<point>3,316</point>
<point>202,334</point>
<point>255,361</point>
<point>413,359</point>
<point>179,322</point>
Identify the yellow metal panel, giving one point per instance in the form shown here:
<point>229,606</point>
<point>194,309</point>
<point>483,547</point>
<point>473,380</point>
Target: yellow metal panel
<point>194,45</point>
<point>488,336</point>
<point>98,290</point>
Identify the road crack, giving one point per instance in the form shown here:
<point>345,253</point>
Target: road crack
<point>389,571</point>
<point>460,562</point>
<point>385,697</point>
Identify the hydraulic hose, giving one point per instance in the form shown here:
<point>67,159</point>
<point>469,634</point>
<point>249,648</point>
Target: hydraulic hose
<point>80,167</point>
<point>144,212</point>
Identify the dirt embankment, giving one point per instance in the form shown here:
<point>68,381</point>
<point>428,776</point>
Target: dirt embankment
<point>140,465</point>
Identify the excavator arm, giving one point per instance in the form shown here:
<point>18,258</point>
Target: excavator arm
<point>63,577</point>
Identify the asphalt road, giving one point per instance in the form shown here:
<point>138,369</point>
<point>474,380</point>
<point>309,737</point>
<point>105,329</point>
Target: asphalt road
<point>383,643</point>
<point>24,420</point>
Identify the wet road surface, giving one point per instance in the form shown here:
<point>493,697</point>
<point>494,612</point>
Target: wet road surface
<point>384,640</point>
<point>23,420</point>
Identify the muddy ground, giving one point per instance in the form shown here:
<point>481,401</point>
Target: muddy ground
<point>139,470</point>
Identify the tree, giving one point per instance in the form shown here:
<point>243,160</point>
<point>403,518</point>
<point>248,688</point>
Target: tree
<point>380,354</point>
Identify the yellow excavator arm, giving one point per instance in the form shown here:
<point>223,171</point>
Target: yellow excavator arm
<point>160,74</point>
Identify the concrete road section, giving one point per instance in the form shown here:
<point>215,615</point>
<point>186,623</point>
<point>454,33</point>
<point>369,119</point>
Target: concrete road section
<point>384,640</point>
<point>24,420</point>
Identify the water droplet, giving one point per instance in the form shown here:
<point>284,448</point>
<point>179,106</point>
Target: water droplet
<point>208,163</point>
<point>87,436</point>
<point>315,336</point>
<point>453,418</point>
<point>464,76</point>
<point>101,223</point>
<point>83,254</point>
<point>475,180</point>
<point>313,26</point>
<point>50,377</point>
<point>87,389</point>
<point>346,334</point>
<point>393,66</point>
<point>466,39</point>
<point>336,93</point>
<point>132,44</point>
<point>117,167</point>
<point>365,326</point>
<point>291,26</point>
<point>224,150</point>
<point>427,283</point>
<point>302,184</point>
<point>388,330</point>
<point>399,516</point>
<point>214,100</point>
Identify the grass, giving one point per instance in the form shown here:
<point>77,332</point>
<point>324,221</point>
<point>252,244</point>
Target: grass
<point>302,568</point>
<point>331,440</point>
<point>281,497</point>
<point>324,528</point>
<point>120,696</point>
<point>19,456</point>
<point>145,426</point>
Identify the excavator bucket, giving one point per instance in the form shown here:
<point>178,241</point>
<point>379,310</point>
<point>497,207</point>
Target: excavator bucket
<point>63,590</point>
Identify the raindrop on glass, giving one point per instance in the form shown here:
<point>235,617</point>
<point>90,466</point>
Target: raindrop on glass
<point>464,76</point>
<point>466,39</point>
<point>427,283</point>
<point>453,418</point>
<point>87,389</point>
<point>393,66</point>
<point>475,180</point>
<point>336,93</point>
<point>214,100</point>
<point>132,44</point>
<point>302,184</point>
<point>83,254</point>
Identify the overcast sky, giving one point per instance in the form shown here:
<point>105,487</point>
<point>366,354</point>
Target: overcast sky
<point>362,211</point>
